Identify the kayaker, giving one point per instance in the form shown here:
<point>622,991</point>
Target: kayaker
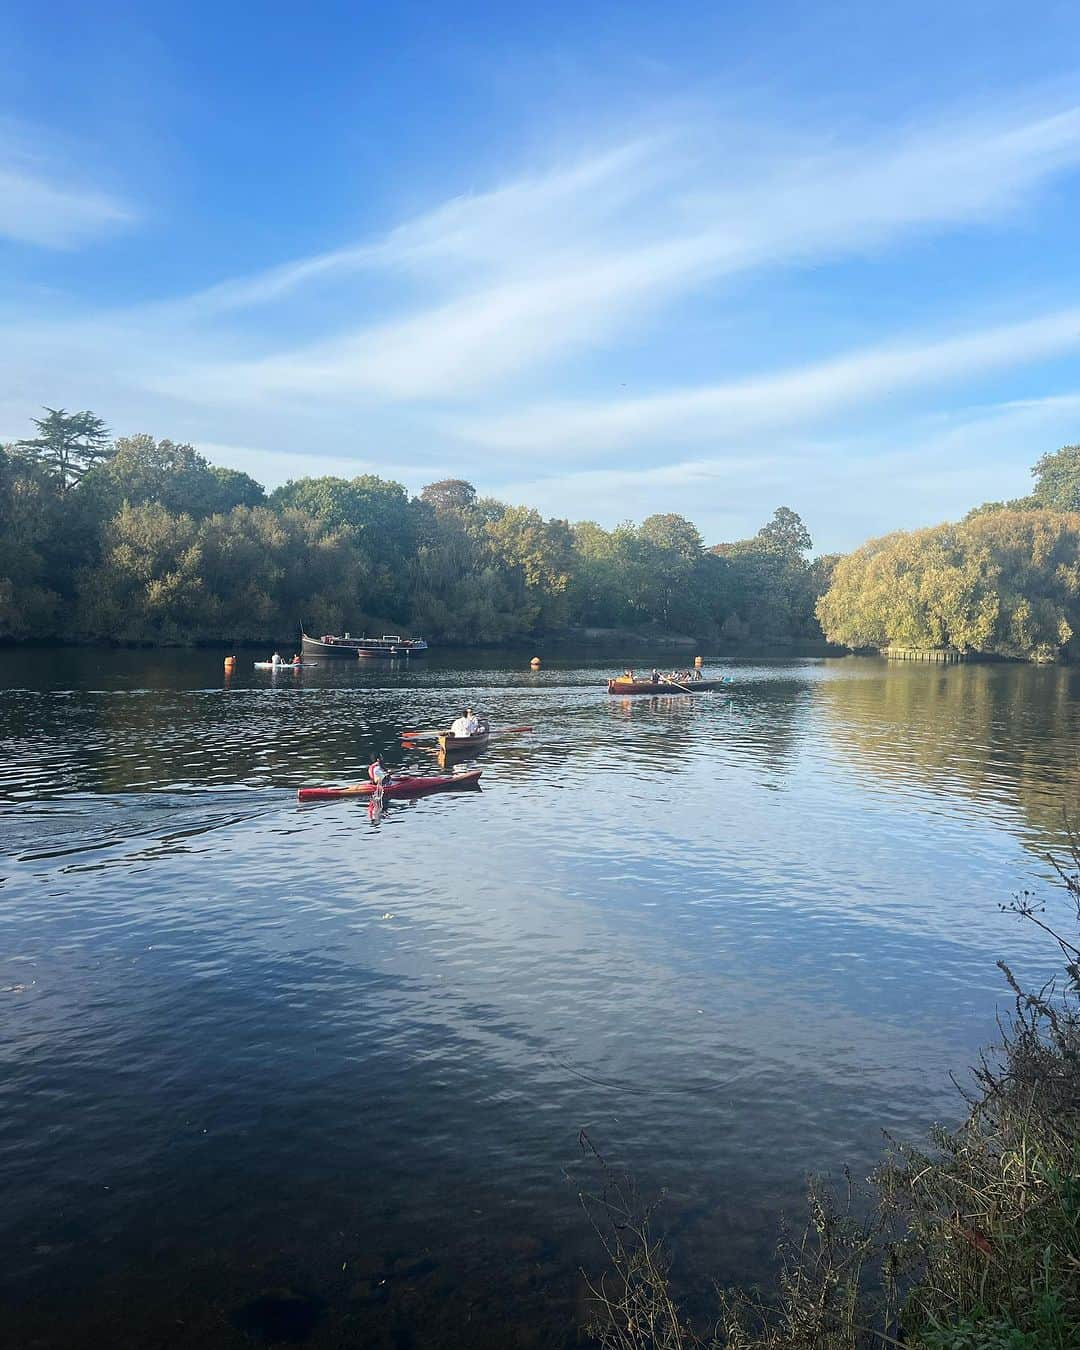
<point>297,659</point>
<point>276,660</point>
<point>378,772</point>
<point>655,676</point>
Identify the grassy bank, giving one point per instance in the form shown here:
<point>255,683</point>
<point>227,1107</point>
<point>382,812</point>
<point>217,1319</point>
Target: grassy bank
<point>970,1242</point>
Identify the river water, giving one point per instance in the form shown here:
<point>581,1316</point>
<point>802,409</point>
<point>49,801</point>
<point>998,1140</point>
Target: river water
<point>277,1073</point>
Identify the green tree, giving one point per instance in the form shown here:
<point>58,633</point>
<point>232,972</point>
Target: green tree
<point>1057,479</point>
<point>766,580</point>
<point>534,557</point>
<point>449,494</point>
<point>143,471</point>
<point>67,444</point>
<point>598,593</point>
<point>382,522</point>
<point>29,605</point>
<point>1003,583</point>
<point>786,534</point>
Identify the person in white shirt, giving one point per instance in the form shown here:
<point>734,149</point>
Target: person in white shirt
<point>276,660</point>
<point>468,724</point>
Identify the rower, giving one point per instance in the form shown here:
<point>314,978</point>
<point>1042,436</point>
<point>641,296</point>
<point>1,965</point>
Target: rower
<point>655,676</point>
<point>461,726</point>
<point>297,659</point>
<point>276,660</point>
<point>475,725</point>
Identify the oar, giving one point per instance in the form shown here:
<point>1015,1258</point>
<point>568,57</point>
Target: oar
<point>431,735</point>
<point>664,680</point>
<point>417,735</point>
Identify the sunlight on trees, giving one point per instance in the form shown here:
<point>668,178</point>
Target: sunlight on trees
<point>145,540</point>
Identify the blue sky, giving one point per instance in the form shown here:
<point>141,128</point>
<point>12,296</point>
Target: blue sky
<point>607,259</point>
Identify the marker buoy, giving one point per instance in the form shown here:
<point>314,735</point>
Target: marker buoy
<point>230,662</point>
<point>535,663</point>
<point>698,662</point>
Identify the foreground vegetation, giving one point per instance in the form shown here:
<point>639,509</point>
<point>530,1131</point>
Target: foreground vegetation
<point>140,540</point>
<point>972,1243</point>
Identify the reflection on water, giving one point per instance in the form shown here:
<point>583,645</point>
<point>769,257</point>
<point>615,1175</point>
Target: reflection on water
<point>269,1070</point>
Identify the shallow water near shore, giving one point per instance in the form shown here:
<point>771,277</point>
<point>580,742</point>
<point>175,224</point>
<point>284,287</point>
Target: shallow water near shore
<point>272,1073</point>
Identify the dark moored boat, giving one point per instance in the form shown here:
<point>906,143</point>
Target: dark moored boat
<point>666,686</point>
<point>389,646</point>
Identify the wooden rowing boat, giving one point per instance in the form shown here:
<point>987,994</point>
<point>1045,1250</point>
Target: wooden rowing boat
<point>459,745</point>
<point>408,785</point>
<point>624,686</point>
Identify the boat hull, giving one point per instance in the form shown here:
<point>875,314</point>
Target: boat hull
<point>413,786</point>
<point>665,686</point>
<point>281,665</point>
<point>367,649</point>
<point>460,745</point>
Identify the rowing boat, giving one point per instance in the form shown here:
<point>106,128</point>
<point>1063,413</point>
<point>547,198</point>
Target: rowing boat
<point>450,744</point>
<point>666,686</point>
<point>408,785</point>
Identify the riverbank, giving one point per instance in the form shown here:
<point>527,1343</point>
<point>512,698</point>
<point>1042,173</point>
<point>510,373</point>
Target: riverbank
<point>561,644</point>
<point>971,1242</point>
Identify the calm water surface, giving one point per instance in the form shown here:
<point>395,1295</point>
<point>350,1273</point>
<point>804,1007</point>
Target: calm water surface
<point>276,1073</point>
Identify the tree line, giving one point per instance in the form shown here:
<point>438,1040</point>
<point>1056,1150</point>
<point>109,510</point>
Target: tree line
<point>1004,581</point>
<point>133,539</point>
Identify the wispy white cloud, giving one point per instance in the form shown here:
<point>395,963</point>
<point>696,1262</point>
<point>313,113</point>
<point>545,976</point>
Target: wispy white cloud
<point>915,471</point>
<point>728,409</point>
<point>480,233</point>
<point>539,269</point>
<point>48,205</point>
<point>450,340</point>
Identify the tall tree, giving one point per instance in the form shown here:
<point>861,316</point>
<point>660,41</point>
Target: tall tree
<point>143,471</point>
<point>1057,479</point>
<point>449,494</point>
<point>786,534</point>
<point>67,444</point>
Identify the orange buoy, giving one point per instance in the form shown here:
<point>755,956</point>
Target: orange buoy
<point>535,663</point>
<point>230,662</point>
<point>698,662</point>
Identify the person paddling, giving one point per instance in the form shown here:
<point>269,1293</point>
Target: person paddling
<point>378,772</point>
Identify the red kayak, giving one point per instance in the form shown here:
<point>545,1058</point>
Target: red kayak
<point>408,785</point>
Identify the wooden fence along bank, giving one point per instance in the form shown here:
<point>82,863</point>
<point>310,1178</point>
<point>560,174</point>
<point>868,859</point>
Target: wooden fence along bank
<point>942,655</point>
